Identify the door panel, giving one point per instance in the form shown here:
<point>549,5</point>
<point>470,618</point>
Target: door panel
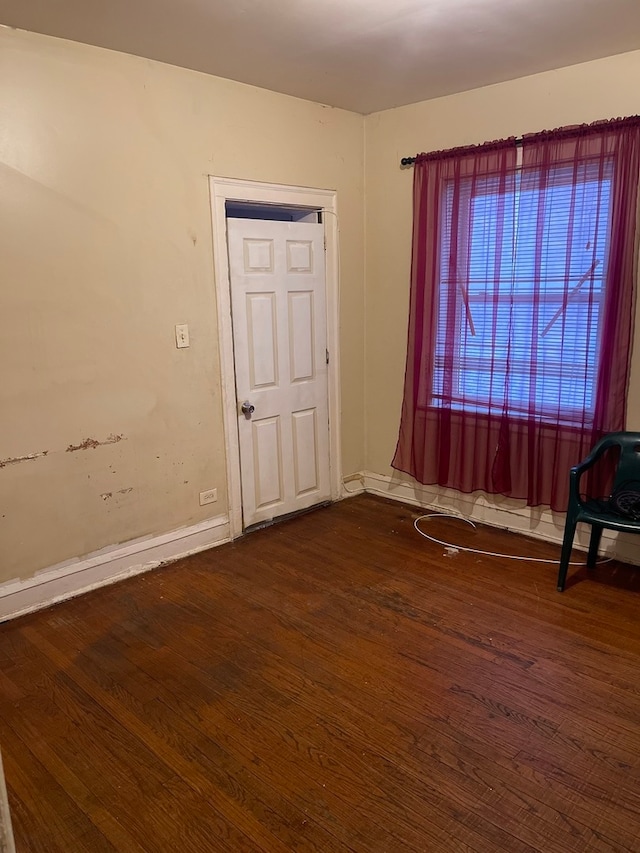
<point>261,338</point>
<point>305,456</point>
<point>279,325</point>
<point>301,336</point>
<point>267,462</point>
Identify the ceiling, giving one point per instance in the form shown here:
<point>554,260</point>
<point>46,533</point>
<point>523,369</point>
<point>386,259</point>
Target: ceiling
<point>362,55</point>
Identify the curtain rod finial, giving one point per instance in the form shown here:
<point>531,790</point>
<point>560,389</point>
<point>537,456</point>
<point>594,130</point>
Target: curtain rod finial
<point>407,161</point>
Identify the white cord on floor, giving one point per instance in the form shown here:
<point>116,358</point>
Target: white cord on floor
<point>476,550</point>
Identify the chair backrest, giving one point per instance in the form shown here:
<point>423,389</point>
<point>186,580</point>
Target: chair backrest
<point>628,468</point>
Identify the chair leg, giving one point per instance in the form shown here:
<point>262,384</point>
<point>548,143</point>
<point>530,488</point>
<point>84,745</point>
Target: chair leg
<point>565,555</point>
<point>594,542</point>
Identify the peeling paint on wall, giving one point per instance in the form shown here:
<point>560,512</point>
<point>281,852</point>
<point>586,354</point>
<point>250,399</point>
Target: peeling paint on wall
<point>92,443</point>
<point>85,445</point>
<point>106,495</point>
<point>13,459</point>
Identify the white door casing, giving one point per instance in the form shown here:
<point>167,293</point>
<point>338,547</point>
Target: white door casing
<point>222,190</point>
<point>278,306</point>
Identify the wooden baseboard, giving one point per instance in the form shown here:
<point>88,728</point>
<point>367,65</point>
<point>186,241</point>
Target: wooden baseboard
<point>108,565</point>
<point>352,484</point>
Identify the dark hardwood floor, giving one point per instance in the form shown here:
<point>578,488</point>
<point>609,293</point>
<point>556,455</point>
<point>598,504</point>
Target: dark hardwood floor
<point>333,683</point>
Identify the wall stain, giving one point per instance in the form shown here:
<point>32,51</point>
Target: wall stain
<point>106,496</point>
<point>13,459</point>
<point>93,443</point>
<point>125,491</point>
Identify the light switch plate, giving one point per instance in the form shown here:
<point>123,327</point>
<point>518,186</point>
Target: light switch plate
<point>182,335</point>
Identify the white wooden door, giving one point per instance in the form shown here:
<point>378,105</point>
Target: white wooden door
<point>278,306</point>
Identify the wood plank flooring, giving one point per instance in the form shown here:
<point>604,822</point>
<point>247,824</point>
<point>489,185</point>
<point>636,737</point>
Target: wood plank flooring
<point>333,683</point>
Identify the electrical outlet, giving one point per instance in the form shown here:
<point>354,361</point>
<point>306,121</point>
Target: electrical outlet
<point>208,497</point>
<point>182,335</point>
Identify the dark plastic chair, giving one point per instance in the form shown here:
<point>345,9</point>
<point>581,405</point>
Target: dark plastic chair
<point>601,512</point>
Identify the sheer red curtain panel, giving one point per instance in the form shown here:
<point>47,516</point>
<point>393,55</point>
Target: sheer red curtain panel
<point>521,310</point>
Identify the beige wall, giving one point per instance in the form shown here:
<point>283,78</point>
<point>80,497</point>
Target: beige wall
<point>105,244</point>
<point>582,93</point>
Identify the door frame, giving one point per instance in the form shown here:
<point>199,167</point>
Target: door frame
<point>234,189</point>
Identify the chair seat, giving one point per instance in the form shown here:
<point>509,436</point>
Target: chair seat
<point>600,512</point>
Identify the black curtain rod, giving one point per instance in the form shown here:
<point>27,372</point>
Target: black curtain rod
<point>409,161</point>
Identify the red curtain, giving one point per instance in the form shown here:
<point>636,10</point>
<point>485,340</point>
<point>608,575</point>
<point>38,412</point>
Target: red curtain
<point>521,311</point>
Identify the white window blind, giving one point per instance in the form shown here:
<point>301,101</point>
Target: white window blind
<point>522,279</point>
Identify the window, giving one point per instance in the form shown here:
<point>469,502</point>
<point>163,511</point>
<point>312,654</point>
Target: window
<point>525,294</point>
<point>521,313</point>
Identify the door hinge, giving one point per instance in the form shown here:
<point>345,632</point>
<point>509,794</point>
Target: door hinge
<point>327,355</point>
